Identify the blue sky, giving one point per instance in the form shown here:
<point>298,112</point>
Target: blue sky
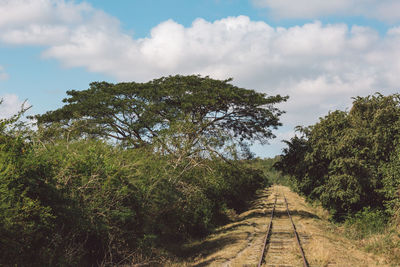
<point>320,53</point>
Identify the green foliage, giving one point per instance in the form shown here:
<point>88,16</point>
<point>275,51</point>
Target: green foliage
<point>391,183</point>
<point>272,175</point>
<point>365,223</point>
<point>68,198</point>
<point>87,202</point>
<point>137,113</point>
<point>348,160</point>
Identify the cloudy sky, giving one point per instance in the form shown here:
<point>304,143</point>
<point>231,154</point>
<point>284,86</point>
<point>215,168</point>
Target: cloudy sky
<point>320,53</point>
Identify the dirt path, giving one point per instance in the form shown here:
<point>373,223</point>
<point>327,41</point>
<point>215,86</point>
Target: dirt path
<point>240,243</point>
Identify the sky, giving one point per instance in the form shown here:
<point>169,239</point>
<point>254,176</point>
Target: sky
<point>319,53</point>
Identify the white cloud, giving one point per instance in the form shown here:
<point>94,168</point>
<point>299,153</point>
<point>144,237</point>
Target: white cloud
<point>3,74</point>
<point>319,66</point>
<point>10,106</point>
<point>49,22</point>
<point>384,10</point>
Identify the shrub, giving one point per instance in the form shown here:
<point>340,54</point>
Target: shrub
<point>87,202</point>
<point>365,223</point>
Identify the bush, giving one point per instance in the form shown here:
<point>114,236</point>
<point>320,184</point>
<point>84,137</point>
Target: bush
<point>365,223</point>
<point>122,170</point>
<point>349,159</point>
<point>87,202</point>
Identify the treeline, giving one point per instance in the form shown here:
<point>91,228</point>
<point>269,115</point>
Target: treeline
<point>271,173</point>
<point>127,171</point>
<point>350,160</point>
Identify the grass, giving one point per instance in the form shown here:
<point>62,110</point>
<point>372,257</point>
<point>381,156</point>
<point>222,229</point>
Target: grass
<point>238,243</point>
<point>386,244</point>
<point>370,229</point>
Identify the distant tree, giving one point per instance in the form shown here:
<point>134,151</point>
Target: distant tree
<point>292,163</point>
<point>188,108</point>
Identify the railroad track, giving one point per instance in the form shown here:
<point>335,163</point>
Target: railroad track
<point>282,246</point>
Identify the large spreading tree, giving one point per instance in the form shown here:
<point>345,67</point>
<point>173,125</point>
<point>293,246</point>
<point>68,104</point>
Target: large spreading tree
<point>176,111</point>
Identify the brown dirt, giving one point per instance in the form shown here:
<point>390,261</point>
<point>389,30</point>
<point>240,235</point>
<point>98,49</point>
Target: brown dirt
<point>240,243</point>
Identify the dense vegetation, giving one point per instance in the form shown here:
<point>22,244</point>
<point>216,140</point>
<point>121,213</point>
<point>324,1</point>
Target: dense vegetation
<point>350,161</point>
<point>128,170</point>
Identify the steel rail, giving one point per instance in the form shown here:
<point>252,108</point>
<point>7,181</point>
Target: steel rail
<point>305,263</point>
<point>267,235</point>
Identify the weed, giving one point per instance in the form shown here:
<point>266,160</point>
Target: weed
<point>365,223</point>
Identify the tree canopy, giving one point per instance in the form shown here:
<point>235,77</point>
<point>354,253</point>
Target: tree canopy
<point>201,107</point>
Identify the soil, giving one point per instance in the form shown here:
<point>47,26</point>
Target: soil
<point>240,242</point>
